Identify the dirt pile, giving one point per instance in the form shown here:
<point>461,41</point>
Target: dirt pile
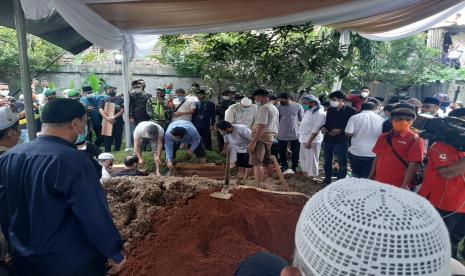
<point>208,236</point>
<point>134,200</point>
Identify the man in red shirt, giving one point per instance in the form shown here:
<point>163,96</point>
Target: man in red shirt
<point>444,187</point>
<point>398,152</point>
<point>358,99</point>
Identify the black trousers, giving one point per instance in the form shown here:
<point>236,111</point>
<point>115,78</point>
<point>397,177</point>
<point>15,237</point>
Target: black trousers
<point>220,139</point>
<point>455,224</point>
<point>206,135</point>
<point>295,148</point>
<point>117,136</point>
<point>361,165</point>
<point>98,135</point>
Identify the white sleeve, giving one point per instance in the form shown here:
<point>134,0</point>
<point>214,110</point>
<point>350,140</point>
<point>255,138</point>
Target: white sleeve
<point>229,114</point>
<point>138,132</point>
<point>319,122</point>
<point>350,125</point>
<point>161,132</point>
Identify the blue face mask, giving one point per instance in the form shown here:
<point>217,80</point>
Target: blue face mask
<point>81,138</point>
<point>181,98</point>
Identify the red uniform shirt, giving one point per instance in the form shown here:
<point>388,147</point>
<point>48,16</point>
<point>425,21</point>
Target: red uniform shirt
<point>389,169</point>
<point>356,101</point>
<point>447,195</point>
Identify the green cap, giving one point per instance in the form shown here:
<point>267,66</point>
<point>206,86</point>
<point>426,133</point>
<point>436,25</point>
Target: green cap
<point>74,93</point>
<point>49,92</point>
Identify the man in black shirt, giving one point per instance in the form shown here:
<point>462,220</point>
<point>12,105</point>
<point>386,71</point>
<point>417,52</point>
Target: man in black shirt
<point>116,120</point>
<point>334,141</point>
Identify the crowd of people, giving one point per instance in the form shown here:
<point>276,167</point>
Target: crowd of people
<point>365,137</point>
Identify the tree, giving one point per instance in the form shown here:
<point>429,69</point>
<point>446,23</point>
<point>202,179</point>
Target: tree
<point>283,59</point>
<point>404,62</point>
<point>41,53</point>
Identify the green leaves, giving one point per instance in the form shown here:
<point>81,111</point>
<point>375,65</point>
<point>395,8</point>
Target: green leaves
<point>41,53</point>
<point>284,58</point>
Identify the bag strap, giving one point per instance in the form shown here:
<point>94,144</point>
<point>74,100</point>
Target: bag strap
<point>176,109</point>
<point>389,141</point>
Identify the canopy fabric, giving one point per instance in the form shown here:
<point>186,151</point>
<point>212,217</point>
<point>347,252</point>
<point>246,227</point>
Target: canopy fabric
<point>134,24</point>
<point>411,29</point>
<point>53,28</point>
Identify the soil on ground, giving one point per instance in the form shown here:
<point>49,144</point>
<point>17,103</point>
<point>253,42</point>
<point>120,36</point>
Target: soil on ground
<point>171,225</point>
<point>209,236</point>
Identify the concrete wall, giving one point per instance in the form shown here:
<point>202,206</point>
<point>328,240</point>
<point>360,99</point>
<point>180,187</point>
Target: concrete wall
<point>153,76</point>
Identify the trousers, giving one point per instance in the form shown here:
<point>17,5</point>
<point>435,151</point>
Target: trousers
<point>310,158</point>
<point>340,150</point>
<point>455,224</point>
<point>295,147</point>
<point>361,165</point>
<point>206,135</point>
<point>117,136</point>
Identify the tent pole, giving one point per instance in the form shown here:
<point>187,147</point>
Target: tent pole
<point>125,73</point>
<point>24,67</point>
<point>344,43</point>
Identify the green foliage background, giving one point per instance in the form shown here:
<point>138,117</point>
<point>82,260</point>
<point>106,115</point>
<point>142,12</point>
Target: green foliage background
<point>41,53</point>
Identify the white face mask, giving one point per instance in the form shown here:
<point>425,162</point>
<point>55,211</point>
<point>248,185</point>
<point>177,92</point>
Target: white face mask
<point>4,93</point>
<point>334,103</point>
<point>364,94</point>
<point>226,98</point>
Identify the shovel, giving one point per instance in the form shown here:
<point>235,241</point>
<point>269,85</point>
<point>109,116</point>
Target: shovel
<point>224,193</point>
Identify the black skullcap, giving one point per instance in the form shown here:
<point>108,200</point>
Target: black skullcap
<point>405,105</point>
<point>260,92</point>
<point>86,89</point>
<point>431,100</point>
<point>403,112</point>
<point>62,111</point>
<point>390,107</point>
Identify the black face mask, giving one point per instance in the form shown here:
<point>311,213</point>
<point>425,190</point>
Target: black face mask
<point>111,94</point>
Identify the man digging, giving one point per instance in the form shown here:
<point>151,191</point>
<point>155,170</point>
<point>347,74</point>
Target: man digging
<point>183,132</point>
<point>152,133</point>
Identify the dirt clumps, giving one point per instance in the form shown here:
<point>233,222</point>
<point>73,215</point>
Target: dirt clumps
<point>208,236</point>
<point>134,201</point>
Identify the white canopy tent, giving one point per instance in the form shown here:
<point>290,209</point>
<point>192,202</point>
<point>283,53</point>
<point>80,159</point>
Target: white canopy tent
<point>134,26</point>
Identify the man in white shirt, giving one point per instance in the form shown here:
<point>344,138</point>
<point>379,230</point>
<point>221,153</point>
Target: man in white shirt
<point>242,113</point>
<point>183,107</point>
<point>236,139</point>
<point>264,131</point>
<point>152,133</point>
<point>106,161</point>
<point>310,137</point>
<point>364,130</point>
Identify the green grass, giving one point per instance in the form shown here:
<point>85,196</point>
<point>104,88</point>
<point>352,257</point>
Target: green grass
<point>181,156</point>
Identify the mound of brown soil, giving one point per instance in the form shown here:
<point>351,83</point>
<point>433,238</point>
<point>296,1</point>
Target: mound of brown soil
<point>134,201</point>
<point>208,236</point>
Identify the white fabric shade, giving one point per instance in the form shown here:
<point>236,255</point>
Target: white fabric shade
<point>134,25</point>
